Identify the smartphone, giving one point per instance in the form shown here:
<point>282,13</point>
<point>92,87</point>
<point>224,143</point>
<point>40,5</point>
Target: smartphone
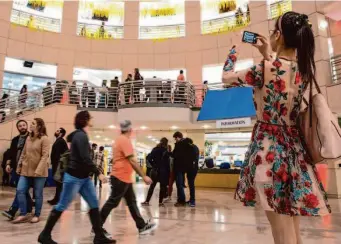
<point>249,37</point>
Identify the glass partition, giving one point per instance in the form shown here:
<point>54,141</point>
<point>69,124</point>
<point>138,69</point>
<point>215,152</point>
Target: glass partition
<point>100,19</point>
<point>221,16</point>
<point>162,19</point>
<point>43,15</point>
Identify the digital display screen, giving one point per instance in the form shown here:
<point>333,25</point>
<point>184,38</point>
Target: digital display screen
<point>40,15</point>
<point>249,37</point>
<point>162,20</point>
<point>102,19</point>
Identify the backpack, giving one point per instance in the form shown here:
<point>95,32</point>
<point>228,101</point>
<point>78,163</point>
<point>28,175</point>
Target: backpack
<point>62,166</point>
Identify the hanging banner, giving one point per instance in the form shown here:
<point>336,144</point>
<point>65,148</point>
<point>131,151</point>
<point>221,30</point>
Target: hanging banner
<point>234,123</point>
<point>100,19</point>
<point>277,8</point>
<point>38,15</point>
<point>162,20</point>
<point>221,16</point>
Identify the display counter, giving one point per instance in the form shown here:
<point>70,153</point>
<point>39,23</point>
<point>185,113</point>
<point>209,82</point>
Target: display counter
<point>217,178</point>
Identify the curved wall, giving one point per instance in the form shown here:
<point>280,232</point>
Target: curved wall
<point>192,52</point>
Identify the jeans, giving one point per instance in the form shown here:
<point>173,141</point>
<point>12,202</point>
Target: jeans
<point>23,189</point>
<point>72,186</point>
<point>119,190</point>
<point>14,178</point>
<point>180,187</point>
<point>15,205</point>
<point>191,180</point>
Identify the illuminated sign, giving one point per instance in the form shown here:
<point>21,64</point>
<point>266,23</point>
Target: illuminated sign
<point>233,123</point>
<point>100,19</point>
<point>277,8</point>
<point>39,15</point>
<point>162,20</point>
<point>219,16</point>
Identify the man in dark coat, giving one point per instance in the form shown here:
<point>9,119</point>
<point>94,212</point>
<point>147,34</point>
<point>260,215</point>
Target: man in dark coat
<point>184,158</point>
<point>59,147</point>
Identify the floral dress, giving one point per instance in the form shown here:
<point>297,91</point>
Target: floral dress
<point>276,171</point>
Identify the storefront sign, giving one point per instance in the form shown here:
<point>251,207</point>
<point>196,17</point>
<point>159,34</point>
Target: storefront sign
<point>232,123</point>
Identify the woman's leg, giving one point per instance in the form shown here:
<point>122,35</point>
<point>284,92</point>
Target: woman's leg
<point>39,183</point>
<point>288,227</point>
<point>151,191</point>
<point>297,229</point>
<point>22,190</point>
<point>275,226</point>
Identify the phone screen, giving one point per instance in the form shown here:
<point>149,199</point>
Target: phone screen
<point>249,37</point>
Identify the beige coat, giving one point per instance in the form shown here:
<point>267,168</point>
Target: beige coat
<point>34,160</point>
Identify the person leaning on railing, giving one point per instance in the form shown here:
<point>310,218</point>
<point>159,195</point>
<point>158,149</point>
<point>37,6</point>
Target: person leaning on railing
<point>3,105</point>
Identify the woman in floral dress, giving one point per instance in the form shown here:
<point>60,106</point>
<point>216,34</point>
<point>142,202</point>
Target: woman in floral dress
<point>277,172</point>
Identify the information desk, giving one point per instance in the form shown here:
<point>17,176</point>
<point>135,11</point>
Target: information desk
<point>217,178</point>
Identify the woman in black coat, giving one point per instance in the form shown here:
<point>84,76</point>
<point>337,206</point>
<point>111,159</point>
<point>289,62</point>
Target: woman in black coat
<point>160,161</point>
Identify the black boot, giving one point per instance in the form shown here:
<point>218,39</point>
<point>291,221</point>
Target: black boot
<point>45,235</point>
<point>96,222</point>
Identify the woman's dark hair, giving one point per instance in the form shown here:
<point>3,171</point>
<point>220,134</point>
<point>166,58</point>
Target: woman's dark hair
<point>163,142</point>
<point>297,33</point>
<point>82,119</point>
<point>41,128</point>
<point>23,89</point>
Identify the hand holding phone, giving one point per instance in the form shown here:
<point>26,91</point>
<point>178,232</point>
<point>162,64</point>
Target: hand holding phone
<point>249,37</point>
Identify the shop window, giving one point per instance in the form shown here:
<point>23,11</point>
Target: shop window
<point>42,15</point>
<point>277,8</point>
<point>213,73</point>
<point>162,20</point>
<point>94,77</point>
<point>222,16</point>
<point>100,19</point>
<point>162,74</point>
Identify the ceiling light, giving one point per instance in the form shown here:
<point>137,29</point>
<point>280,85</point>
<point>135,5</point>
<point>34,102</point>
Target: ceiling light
<point>112,126</point>
<point>206,126</point>
<point>143,127</point>
<point>98,136</point>
<point>174,127</point>
<point>149,137</point>
<point>106,139</point>
<point>323,24</point>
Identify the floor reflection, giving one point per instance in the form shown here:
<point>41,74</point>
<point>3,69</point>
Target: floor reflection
<point>218,219</point>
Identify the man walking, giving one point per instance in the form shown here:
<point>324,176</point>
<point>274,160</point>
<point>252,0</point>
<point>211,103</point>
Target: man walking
<point>184,157</point>
<point>192,173</point>
<point>99,161</point>
<point>59,147</point>
<point>124,162</point>
<point>17,146</point>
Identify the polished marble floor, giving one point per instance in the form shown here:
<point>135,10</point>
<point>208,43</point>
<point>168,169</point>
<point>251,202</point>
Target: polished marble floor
<point>217,219</point>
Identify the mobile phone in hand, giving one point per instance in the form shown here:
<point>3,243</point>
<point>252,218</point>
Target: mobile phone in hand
<point>249,37</point>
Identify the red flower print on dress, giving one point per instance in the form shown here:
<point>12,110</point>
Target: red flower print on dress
<point>311,201</point>
<point>258,160</point>
<point>266,116</point>
<point>246,171</point>
<point>269,173</point>
<point>260,137</point>
<point>277,63</point>
<point>279,85</point>
<point>250,78</point>
<point>284,111</point>
<point>233,58</point>
<point>307,184</point>
<point>284,176</point>
<point>269,192</point>
<point>303,212</point>
<point>277,106</point>
<point>250,194</point>
<point>270,157</point>
<point>297,78</point>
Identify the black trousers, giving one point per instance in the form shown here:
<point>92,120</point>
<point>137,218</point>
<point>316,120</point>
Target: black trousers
<point>119,190</point>
<point>59,188</point>
<point>96,179</point>
<point>163,190</point>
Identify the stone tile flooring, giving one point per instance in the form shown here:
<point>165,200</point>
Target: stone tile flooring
<point>217,219</point>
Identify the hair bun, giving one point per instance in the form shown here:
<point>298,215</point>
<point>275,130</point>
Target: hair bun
<point>301,20</point>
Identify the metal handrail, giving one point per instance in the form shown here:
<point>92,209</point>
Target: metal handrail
<point>335,64</point>
<point>132,93</point>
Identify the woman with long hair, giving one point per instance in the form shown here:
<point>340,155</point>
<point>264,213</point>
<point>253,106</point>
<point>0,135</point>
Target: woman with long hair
<point>277,172</point>
<point>33,170</point>
<point>160,172</point>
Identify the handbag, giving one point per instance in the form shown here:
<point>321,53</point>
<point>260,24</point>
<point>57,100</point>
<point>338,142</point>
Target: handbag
<point>319,128</point>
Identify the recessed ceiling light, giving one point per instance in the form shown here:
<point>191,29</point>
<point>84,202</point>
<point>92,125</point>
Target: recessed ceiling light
<point>149,137</point>
<point>174,127</point>
<point>98,136</point>
<point>106,139</point>
<point>206,126</point>
<point>112,126</point>
<point>143,127</point>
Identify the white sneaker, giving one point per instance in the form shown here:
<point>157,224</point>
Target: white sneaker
<point>149,227</point>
